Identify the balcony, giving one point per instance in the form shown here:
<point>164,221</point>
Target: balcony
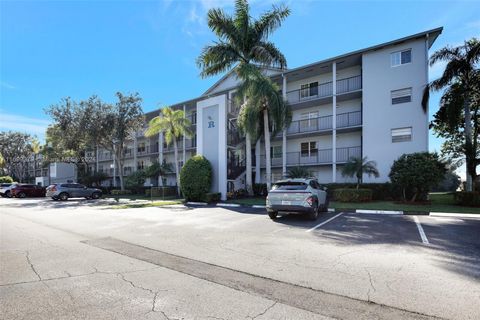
<point>189,144</point>
<point>324,90</point>
<point>318,157</point>
<point>344,120</point>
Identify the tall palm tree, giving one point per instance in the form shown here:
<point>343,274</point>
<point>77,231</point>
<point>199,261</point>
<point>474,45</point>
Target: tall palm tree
<point>242,41</point>
<point>174,125</point>
<point>462,67</point>
<point>357,167</point>
<point>36,147</point>
<point>264,104</point>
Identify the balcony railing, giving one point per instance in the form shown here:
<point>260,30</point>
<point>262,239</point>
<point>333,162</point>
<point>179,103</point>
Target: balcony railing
<point>315,157</point>
<point>324,90</point>
<point>189,144</point>
<point>344,120</point>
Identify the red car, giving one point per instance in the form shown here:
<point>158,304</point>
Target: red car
<point>28,190</point>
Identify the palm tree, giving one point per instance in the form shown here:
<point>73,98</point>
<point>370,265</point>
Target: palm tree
<point>174,125</point>
<point>357,167</point>
<point>299,172</point>
<point>242,41</point>
<point>264,104</point>
<point>462,68</point>
<point>36,148</point>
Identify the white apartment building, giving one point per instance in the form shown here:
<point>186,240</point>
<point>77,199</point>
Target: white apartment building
<point>365,103</point>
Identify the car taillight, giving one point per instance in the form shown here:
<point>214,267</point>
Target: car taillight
<point>310,201</point>
<point>53,188</point>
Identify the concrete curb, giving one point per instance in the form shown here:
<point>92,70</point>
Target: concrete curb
<point>221,204</point>
<point>455,215</point>
<point>197,203</point>
<point>378,212</point>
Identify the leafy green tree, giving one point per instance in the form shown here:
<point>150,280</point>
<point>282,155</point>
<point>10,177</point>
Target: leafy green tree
<point>299,172</point>
<point>264,104</point>
<point>15,150</point>
<point>91,123</point>
<point>417,173</point>
<point>460,78</point>
<point>6,179</point>
<point>242,44</point>
<point>174,125</point>
<point>93,179</point>
<point>357,167</point>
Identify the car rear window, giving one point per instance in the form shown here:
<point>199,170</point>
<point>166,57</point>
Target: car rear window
<point>290,186</point>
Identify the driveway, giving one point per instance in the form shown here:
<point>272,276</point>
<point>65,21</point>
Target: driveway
<point>79,260</point>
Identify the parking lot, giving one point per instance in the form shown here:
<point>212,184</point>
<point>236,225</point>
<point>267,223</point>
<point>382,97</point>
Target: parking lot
<point>350,265</point>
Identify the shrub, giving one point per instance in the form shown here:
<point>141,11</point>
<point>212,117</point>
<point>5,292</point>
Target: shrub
<point>162,191</point>
<point>93,178</point>
<point>260,189</point>
<point>353,195</point>
<point>135,181</point>
<point>380,191</point>
<point>470,199</point>
<point>120,192</point>
<point>299,172</point>
<point>416,174</point>
<point>213,197</point>
<point>6,179</point>
<point>196,178</point>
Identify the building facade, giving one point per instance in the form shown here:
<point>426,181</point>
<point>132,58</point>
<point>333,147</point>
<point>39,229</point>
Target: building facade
<point>365,103</point>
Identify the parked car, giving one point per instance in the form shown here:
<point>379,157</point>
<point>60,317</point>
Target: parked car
<point>27,190</point>
<point>63,191</point>
<point>304,196</point>
<point>5,189</point>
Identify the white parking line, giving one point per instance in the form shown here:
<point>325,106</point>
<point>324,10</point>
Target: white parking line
<point>324,222</point>
<point>420,230</point>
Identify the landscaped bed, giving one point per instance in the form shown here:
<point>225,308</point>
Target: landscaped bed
<point>439,202</point>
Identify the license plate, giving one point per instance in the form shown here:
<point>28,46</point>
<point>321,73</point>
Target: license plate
<point>286,203</point>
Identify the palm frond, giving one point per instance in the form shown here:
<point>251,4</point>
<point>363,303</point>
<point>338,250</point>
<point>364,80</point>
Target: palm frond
<point>270,21</point>
<point>265,53</point>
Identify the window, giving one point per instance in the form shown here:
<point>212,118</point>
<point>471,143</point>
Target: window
<point>401,96</point>
<point>402,134</point>
<point>276,151</point>
<point>308,120</point>
<point>401,57</point>
<point>141,147</point>
<point>308,90</point>
<point>308,149</point>
<point>140,165</point>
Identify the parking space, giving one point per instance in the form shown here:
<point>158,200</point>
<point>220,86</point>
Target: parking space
<point>371,257</point>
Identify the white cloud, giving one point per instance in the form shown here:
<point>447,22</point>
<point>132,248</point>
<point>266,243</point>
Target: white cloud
<point>7,85</point>
<point>14,122</point>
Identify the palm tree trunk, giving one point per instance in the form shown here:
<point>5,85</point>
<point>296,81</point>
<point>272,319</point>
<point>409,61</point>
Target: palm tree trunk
<point>248,156</point>
<point>268,160</point>
<point>177,176</point>
<point>468,141</point>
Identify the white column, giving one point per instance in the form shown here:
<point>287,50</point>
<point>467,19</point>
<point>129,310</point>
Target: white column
<point>135,148</point>
<point>334,122</point>
<point>184,138</point>
<point>284,136</point>
<point>222,148</point>
<point>258,177</point>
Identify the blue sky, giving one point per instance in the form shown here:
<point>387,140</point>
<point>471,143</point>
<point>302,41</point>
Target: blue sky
<point>54,49</point>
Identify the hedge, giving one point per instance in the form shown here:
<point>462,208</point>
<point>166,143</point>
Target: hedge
<point>196,178</point>
<point>468,198</point>
<point>6,179</point>
<point>380,191</point>
<point>353,195</point>
<point>260,189</point>
<point>120,192</point>
<point>161,191</point>
<point>213,197</point>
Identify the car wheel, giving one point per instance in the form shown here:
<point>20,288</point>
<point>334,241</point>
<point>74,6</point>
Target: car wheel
<point>314,214</point>
<point>8,194</point>
<point>63,196</point>
<point>273,214</point>
<point>96,195</point>
<point>21,195</point>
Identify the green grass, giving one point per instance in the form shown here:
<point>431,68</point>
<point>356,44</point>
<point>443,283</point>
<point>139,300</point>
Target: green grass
<point>440,202</point>
<point>146,204</point>
<point>139,197</point>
